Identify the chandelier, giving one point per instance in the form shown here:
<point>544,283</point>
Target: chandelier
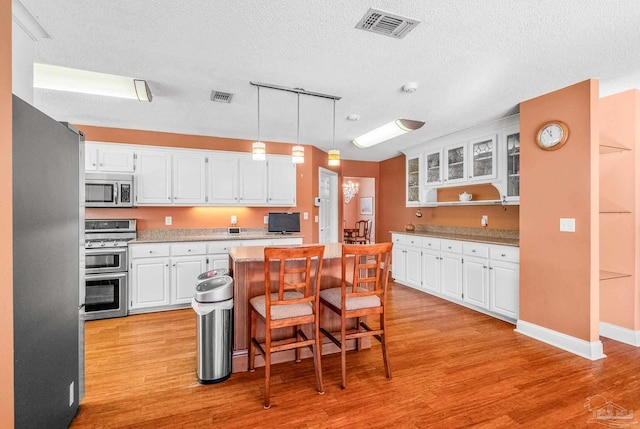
<point>349,190</point>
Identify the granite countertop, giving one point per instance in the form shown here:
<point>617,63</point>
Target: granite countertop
<point>503,237</point>
<point>206,234</point>
<point>256,253</point>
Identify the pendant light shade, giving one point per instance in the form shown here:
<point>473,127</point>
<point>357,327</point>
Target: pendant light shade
<point>334,154</point>
<point>297,153</point>
<point>258,149</point>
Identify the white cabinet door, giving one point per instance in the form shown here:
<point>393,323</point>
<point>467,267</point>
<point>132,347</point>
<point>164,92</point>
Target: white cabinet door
<point>281,182</point>
<point>482,158</point>
<point>184,273</point>
<point>153,178</point>
<point>433,168</point>
<point>454,164</point>
<point>431,270</point>
<point>414,180</point>
<point>149,283</point>
<point>115,160</point>
<point>189,178</point>
<point>476,281</point>
<point>90,157</point>
<point>504,281</point>
<point>223,179</point>
<point>218,261</point>
<point>413,266</point>
<point>252,182</point>
<point>451,274</point>
<point>398,263</point>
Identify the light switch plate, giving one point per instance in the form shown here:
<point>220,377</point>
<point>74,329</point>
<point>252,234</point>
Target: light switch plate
<point>306,216</point>
<point>168,220</point>
<point>234,219</point>
<point>266,219</point>
<point>567,224</point>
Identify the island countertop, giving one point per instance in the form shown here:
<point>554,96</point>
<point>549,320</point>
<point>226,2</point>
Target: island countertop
<point>256,253</point>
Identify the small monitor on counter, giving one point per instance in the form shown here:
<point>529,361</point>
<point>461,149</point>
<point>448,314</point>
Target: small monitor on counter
<point>284,223</point>
<point>234,231</point>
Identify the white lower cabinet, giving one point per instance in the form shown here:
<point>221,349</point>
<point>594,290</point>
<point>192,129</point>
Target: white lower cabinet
<point>479,275</point>
<point>163,276</point>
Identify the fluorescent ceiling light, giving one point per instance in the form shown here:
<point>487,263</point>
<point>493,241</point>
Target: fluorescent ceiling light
<point>59,78</point>
<point>387,132</point>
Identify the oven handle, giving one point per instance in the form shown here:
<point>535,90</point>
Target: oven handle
<point>115,193</point>
<point>101,250</point>
<point>105,276</point>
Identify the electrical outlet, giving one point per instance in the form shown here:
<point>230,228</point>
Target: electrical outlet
<point>306,216</point>
<point>234,219</point>
<point>317,219</point>
<point>485,220</point>
<point>168,220</point>
<point>266,219</point>
<point>567,224</point>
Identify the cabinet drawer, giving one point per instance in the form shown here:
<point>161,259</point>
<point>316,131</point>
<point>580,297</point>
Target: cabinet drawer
<point>222,246</point>
<point>475,249</point>
<point>188,248</point>
<point>149,250</point>
<point>398,238</point>
<point>452,246</point>
<point>413,241</point>
<point>505,253</point>
<point>431,243</point>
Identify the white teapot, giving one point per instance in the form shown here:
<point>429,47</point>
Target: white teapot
<point>464,196</point>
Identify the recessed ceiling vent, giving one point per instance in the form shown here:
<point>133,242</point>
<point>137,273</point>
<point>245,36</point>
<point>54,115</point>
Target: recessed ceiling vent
<point>221,97</point>
<point>381,22</point>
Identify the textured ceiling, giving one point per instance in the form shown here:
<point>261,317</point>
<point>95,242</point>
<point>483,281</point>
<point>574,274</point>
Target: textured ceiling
<point>473,62</point>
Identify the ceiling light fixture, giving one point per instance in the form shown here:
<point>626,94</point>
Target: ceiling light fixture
<point>334,154</point>
<point>297,152</point>
<point>349,190</point>
<point>258,149</point>
<point>59,78</point>
<point>387,132</point>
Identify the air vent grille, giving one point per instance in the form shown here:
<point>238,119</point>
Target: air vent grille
<point>221,97</point>
<point>378,21</point>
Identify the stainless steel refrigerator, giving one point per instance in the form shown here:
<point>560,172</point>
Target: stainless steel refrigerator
<point>47,228</point>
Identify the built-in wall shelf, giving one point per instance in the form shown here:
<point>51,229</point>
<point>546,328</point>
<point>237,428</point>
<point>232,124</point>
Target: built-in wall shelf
<point>469,203</point>
<point>609,275</point>
<point>609,147</point>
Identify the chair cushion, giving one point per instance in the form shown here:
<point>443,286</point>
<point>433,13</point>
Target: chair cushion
<point>279,312</point>
<point>334,297</point>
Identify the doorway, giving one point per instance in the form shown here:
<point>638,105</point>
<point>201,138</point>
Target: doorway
<point>328,209</point>
<point>360,205</point>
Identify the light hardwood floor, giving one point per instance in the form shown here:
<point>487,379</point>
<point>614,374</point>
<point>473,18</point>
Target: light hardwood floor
<point>452,368</point>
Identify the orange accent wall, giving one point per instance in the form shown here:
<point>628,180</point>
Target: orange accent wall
<point>211,217</point>
<point>619,190</point>
<point>559,286</point>
<point>6,221</point>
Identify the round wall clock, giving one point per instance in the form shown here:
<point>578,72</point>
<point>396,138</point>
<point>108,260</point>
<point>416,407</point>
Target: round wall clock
<point>552,135</point>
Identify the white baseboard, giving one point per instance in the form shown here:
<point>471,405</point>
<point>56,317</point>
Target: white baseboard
<point>618,333</point>
<point>589,350</point>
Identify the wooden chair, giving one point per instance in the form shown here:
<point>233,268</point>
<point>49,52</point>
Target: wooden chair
<point>295,275</point>
<point>363,229</point>
<point>365,275</point>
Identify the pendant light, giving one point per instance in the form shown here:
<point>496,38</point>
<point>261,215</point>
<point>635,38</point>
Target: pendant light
<point>334,154</point>
<point>258,149</point>
<point>297,153</point>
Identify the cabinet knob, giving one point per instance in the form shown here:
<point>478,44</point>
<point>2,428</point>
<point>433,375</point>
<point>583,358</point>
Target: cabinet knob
<point>474,251</point>
<point>503,254</point>
<point>491,268</point>
<point>484,266</point>
<point>150,251</point>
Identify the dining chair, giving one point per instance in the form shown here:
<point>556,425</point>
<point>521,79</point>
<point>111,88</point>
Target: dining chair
<point>361,236</point>
<point>365,276</point>
<point>291,300</point>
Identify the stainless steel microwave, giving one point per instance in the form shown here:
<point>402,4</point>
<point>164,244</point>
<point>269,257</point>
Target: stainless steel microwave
<point>108,190</point>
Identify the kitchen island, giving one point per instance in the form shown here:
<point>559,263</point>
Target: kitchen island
<point>247,266</point>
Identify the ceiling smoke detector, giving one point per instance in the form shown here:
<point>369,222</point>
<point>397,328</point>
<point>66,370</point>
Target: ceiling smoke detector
<point>388,24</point>
<point>221,97</point>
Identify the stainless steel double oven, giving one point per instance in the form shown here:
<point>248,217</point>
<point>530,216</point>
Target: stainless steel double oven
<point>106,267</point>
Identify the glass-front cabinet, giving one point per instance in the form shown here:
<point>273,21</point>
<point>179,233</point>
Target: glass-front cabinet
<point>512,140</point>
<point>433,168</point>
<point>413,181</point>
<point>482,154</point>
<point>454,158</point>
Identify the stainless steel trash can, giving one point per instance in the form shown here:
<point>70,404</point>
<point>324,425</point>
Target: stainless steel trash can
<point>211,274</point>
<point>213,304</point>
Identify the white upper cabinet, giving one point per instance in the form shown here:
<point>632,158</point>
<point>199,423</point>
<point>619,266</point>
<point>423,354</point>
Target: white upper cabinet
<point>433,167</point>
<point>414,176</point>
<point>281,187</point>
<point>482,158</point>
<point>511,139</point>
<point>223,179</point>
<point>153,178</point>
<point>108,157</point>
<point>252,182</point>
<point>189,178</point>
<point>455,163</point>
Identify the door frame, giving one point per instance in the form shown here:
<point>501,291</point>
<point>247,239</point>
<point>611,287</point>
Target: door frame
<point>332,206</point>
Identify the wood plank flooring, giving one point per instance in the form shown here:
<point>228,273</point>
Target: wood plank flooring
<point>452,368</point>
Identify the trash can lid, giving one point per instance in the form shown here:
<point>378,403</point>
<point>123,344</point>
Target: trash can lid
<point>213,273</point>
<point>214,289</point>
